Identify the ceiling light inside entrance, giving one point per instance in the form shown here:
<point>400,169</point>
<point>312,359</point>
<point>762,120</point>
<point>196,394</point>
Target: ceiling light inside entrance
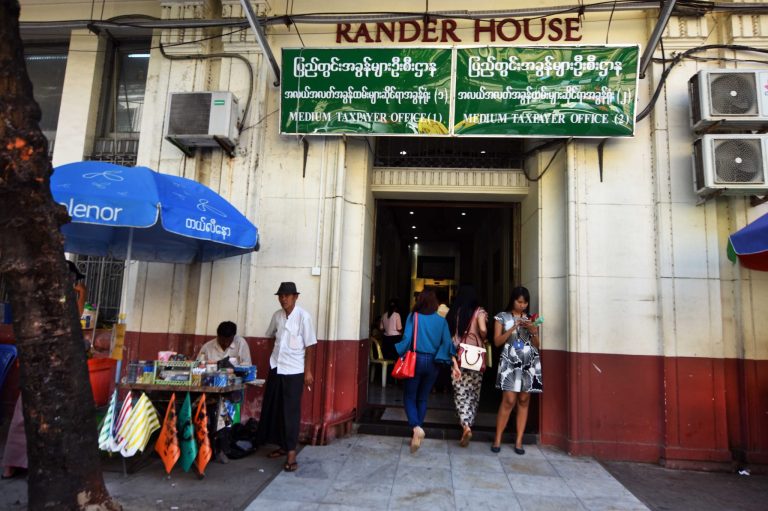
<point>458,228</point>
<point>413,227</point>
<point>403,153</point>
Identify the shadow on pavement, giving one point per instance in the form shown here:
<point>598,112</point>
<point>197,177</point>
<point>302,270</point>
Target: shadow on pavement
<point>664,489</point>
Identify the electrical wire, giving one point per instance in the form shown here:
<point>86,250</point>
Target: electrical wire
<point>198,40</point>
<point>260,120</point>
<point>561,144</point>
<point>299,34</point>
<point>248,65</point>
<point>683,55</point>
<point>610,19</point>
<point>169,45</point>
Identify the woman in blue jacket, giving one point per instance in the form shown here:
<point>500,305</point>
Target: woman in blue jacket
<point>433,346</point>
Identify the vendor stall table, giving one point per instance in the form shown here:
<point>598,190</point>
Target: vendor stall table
<point>162,393</point>
<point>151,387</point>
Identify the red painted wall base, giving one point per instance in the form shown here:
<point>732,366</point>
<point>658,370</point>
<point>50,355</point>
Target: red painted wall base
<point>685,412</point>
<point>326,411</point>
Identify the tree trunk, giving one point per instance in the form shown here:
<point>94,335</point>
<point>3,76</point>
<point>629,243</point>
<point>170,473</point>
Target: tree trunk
<point>59,415</point>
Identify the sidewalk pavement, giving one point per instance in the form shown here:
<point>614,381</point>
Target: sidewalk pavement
<point>379,472</point>
<point>229,487</point>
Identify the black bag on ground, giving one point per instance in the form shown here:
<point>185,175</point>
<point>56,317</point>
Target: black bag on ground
<point>242,440</point>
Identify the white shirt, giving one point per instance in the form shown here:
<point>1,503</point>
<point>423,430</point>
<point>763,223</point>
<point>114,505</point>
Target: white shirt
<point>239,349</point>
<point>293,335</point>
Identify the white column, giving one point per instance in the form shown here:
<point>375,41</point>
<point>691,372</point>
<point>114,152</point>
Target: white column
<point>80,97</point>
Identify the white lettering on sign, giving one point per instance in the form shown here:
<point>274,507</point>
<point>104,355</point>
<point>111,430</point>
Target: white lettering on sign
<point>570,93</point>
<point>313,67</point>
<point>91,211</point>
<point>309,116</point>
<point>390,94</point>
<point>517,118</point>
<point>489,66</point>
<point>204,225</point>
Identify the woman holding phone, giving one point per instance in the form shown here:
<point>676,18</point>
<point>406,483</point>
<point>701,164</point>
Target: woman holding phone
<point>519,366</point>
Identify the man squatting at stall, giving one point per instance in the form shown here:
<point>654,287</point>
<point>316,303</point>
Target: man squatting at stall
<point>290,370</point>
<point>225,346</point>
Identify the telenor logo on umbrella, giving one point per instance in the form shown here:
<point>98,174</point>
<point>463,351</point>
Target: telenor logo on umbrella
<point>203,206</point>
<point>91,211</point>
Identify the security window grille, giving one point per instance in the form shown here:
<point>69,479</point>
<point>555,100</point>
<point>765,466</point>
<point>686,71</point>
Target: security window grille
<point>104,284</point>
<point>120,151</point>
<point>476,153</point>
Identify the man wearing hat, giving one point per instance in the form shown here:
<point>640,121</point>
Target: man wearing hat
<point>290,371</point>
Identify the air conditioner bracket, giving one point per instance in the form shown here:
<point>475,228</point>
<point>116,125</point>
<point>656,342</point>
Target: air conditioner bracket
<point>704,198</point>
<point>226,145</point>
<point>181,147</point>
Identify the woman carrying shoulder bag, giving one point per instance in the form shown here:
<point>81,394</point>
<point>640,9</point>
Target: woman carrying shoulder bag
<point>433,346</point>
<point>467,323</point>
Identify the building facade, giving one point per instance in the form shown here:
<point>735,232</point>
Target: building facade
<point>654,346</point>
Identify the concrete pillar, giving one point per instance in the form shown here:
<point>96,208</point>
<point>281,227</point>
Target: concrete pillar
<point>80,97</point>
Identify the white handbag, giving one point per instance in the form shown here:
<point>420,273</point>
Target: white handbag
<point>471,356</point>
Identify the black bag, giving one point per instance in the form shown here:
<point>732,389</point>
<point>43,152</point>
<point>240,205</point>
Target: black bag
<point>241,439</point>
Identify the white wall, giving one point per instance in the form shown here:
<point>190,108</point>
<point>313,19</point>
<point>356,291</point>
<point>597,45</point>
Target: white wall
<point>628,265</point>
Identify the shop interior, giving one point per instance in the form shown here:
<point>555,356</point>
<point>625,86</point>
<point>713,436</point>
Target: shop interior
<point>441,245</point>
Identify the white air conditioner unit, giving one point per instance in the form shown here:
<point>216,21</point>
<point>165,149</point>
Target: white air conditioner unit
<point>731,165</point>
<point>202,119</point>
<point>729,100</point>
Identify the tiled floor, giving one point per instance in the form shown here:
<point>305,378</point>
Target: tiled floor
<point>379,472</point>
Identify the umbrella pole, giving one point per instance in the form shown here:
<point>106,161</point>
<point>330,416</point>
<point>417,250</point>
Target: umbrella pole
<point>99,289</point>
<point>123,299</point>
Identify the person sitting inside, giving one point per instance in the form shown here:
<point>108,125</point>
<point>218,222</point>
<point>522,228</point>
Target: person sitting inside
<point>226,345</point>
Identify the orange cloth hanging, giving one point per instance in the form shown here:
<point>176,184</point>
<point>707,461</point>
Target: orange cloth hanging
<point>167,445</point>
<point>204,452</point>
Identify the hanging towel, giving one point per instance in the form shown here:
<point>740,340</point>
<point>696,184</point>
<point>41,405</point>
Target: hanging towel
<point>139,426</point>
<point>105,434</point>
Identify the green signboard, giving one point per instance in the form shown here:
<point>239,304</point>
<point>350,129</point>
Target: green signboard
<point>386,91</point>
<point>566,91</point>
<point>545,91</point>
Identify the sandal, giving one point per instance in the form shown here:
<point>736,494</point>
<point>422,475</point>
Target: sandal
<point>276,454</point>
<point>291,467</point>
<point>418,436</point>
<point>10,473</point>
<point>465,437</point>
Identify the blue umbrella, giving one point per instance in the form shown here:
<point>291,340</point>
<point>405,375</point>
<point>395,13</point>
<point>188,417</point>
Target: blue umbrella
<point>137,213</point>
<point>750,245</point>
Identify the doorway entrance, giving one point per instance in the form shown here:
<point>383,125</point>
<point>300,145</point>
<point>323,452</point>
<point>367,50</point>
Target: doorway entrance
<point>440,245</point>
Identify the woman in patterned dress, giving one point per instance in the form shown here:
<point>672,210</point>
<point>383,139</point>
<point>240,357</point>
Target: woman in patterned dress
<point>466,316</point>
<point>519,366</point>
